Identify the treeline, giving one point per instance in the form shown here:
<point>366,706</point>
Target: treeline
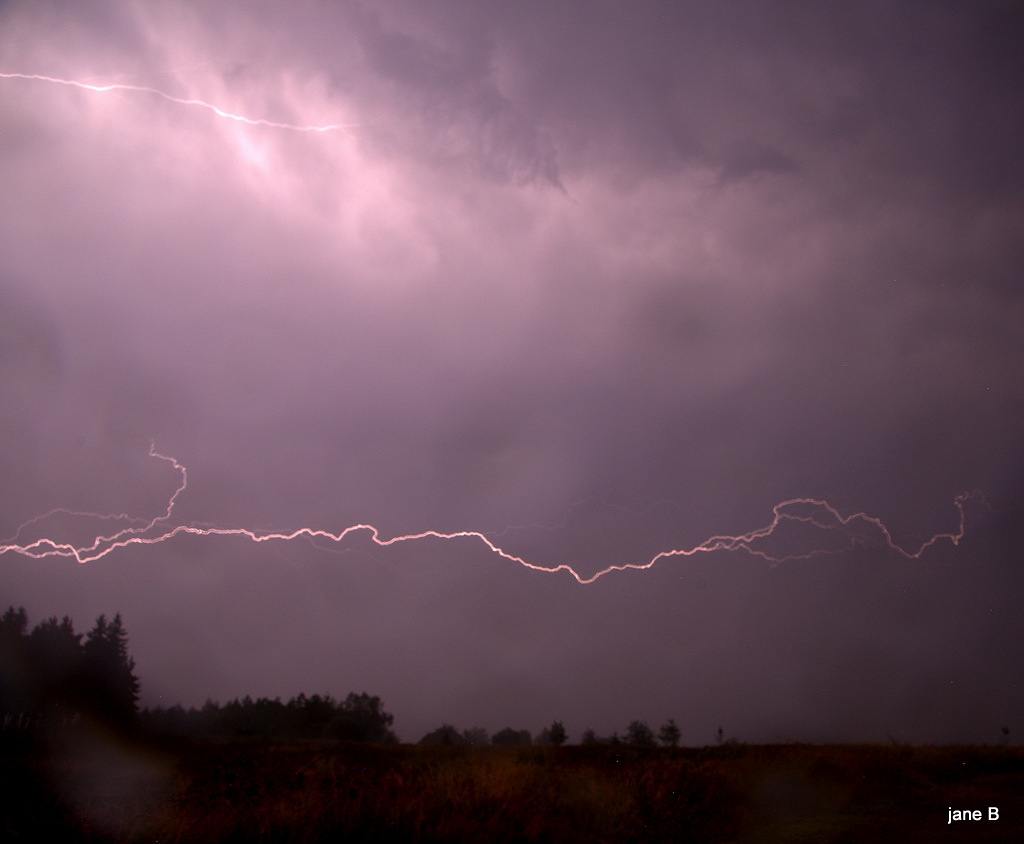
<point>638,734</point>
<point>448,735</point>
<point>356,718</point>
<point>52,677</point>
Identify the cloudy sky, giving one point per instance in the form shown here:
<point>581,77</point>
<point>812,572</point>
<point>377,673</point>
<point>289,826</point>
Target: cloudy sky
<point>596,279</point>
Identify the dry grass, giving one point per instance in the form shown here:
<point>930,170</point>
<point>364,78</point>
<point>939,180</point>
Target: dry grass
<point>310,792</point>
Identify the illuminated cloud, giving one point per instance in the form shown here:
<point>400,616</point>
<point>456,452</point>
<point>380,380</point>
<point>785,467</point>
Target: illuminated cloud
<point>642,273</point>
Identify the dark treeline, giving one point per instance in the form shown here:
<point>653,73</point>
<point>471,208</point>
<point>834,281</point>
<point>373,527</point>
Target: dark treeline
<point>637,734</point>
<point>640,734</point>
<point>356,718</point>
<point>52,677</point>
<point>447,735</point>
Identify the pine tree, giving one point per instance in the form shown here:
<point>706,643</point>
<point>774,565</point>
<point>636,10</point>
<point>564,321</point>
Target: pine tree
<point>56,651</point>
<point>15,669</point>
<point>49,678</point>
<point>113,688</point>
<point>14,622</point>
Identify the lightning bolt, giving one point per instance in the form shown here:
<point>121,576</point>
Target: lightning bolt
<point>816,512</point>
<point>118,86</point>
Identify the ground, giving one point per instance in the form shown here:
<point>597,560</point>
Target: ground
<point>96,788</point>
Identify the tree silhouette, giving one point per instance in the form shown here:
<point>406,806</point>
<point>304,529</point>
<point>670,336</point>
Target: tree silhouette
<point>640,734</point>
<point>16,674</point>
<point>669,734</point>
<point>476,737</point>
<point>446,734</point>
<point>111,687</point>
<point>58,662</point>
<point>360,717</point>
<point>14,621</point>
<point>556,734</point>
<point>510,738</point>
<point>50,678</point>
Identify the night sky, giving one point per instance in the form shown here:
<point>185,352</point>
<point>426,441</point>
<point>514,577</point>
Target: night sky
<point>594,279</point>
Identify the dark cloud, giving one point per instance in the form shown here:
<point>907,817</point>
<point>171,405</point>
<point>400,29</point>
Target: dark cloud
<point>599,278</point>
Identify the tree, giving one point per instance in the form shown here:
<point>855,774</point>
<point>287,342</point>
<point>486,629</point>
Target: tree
<point>557,734</point>
<point>14,622</point>
<point>669,734</point>
<point>362,718</point>
<point>313,715</point>
<point>357,718</point>
<point>112,689</point>
<point>58,661</point>
<point>511,738</point>
<point>49,677</point>
<point>57,649</point>
<point>446,734</point>
<point>15,669</point>
<point>476,737</point>
<point>638,733</point>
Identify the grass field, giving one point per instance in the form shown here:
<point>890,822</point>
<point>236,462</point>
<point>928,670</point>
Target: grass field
<point>101,789</point>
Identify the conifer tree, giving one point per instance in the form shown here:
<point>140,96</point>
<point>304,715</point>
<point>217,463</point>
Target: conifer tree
<point>113,688</point>
<point>15,669</point>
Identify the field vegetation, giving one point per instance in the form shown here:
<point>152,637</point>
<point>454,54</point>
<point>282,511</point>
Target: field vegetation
<point>93,787</point>
<point>80,763</point>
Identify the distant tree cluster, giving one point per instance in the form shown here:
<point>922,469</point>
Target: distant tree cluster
<point>446,734</point>
<point>52,677</point>
<point>639,734</point>
<point>511,738</point>
<point>356,718</point>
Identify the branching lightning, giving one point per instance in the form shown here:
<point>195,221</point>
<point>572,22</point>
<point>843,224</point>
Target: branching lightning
<point>119,86</point>
<point>815,512</point>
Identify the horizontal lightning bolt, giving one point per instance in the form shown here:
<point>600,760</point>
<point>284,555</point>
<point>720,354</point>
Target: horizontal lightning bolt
<point>117,86</point>
<point>812,511</point>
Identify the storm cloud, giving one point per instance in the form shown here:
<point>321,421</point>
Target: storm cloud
<point>603,279</point>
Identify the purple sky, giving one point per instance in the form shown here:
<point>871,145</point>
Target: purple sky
<point>600,279</point>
